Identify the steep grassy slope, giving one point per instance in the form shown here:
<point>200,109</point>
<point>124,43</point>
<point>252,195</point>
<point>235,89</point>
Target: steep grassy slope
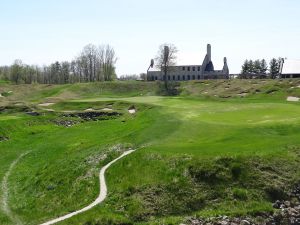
<point>213,89</point>
<point>198,155</point>
<point>38,93</point>
<point>262,90</point>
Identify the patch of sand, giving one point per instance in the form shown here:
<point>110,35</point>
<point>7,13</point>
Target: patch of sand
<point>46,104</point>
<point>242,94</point>
<point>106,109</point>
<point>50,110</point>
<point>89,110</point>
<point>132,111</point>
<point>292,99</point>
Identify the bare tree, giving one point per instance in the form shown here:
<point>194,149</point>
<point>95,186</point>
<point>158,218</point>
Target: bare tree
<point>16,71</point>
<point>94,63</point>
<point>165,59</point>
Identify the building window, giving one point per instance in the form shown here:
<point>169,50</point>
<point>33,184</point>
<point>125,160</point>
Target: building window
<point>155,78</point>
<point>183,77</point>
<point>193,77</point>
<point>189,69</point>
<point>173,77</point>
<point>198,77</point>
<point>194,68</point>
<point>198,68</point>
<point>169,78</point>
<point>189,77</point>
<point>183,68</point>
<point>178,77</point>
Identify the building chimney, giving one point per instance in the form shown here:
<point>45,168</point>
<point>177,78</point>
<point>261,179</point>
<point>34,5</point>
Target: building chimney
<point>209,52</point>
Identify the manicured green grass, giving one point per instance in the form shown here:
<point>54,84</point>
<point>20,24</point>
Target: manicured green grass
<point>196,156</point>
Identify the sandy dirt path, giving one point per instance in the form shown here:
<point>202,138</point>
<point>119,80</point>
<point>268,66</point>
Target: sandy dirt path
<point>101,197</point>
<point>5,192</point>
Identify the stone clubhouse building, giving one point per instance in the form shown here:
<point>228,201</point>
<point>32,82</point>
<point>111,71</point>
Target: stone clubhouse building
<point>192,72</point>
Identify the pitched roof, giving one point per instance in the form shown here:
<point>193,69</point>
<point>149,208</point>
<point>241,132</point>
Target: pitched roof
<point>291,66</point>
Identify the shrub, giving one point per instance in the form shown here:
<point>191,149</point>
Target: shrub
<point>204,173</point>
<point>240,194</point>
<point>236,170</point>
<point>275,193</point>
<point>171,90</point>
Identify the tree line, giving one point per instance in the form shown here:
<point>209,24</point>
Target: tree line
<point>94,63</point>
<point>260,68</point>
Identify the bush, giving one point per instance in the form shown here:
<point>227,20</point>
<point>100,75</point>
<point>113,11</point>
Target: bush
<point>240,194</point>
<point>207,174</point>
<point>236,170</point>
<point>171,90</point>
<point>275,193</point>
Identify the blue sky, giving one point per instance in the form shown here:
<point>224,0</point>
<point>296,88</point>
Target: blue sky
<point>43,31</point>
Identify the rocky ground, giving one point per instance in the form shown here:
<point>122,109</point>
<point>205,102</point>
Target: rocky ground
<point>87,116</point>
<point>286,213</point>
<point>71,119</point>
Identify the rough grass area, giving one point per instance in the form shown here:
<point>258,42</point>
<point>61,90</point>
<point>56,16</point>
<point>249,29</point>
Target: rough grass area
<point>262,90</point>
<point>198,154</point>
<point>55,93</point>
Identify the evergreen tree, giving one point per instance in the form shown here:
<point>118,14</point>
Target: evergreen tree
<point>274,67</point>
<point>263,67</point>
<point>245,67</point>
<point>251,67</point>
<point>257,66</point>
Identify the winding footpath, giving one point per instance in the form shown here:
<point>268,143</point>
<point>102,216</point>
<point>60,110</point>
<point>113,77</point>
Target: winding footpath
<point>5,192</point>
<point>101,197</point>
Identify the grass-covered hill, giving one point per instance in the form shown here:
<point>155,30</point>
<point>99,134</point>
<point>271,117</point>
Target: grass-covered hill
<point>219,148</point>
<point>213,89</point>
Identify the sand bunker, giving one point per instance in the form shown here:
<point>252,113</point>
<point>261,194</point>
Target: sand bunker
<point>132,111</point>
<point>292,99</point>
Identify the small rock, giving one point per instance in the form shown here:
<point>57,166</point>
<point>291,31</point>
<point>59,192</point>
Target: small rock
<point>287,203</point>
<point>245,222</point>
